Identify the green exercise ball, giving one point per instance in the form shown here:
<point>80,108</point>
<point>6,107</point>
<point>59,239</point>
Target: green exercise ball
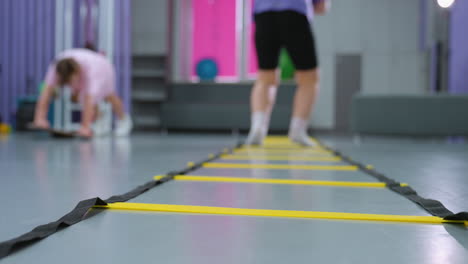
<point>286,66</point>
<point>41,87</point>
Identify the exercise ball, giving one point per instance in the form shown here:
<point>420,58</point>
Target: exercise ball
<point>207,69</point>
<point>5,129</point>
<point>286,66</point>
<point>41,87</point>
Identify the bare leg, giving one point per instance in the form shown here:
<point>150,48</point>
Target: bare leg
<point>259,98</point>
<point>306,93</point>
<point>88,115</point>
<point>272,91</point>
<point>117,106</point>
<point>124,124</point>
<point>261,104</point>
<point>40,115</point>
<point>304,101</point>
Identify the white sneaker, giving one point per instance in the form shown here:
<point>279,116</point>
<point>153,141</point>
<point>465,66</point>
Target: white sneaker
<point>101,127</point>
<point>256,134</point>
<point>301,138</point>
<point>298,132</point>
<point>123,127</point>
<point>255,137</point>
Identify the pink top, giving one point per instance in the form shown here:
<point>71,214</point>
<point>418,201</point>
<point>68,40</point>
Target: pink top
<point>97,75</point>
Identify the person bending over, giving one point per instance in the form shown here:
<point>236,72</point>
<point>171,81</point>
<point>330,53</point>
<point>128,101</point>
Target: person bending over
<point>91,78</point>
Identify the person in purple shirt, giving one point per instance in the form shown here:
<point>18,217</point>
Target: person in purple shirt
<point>285,24</point>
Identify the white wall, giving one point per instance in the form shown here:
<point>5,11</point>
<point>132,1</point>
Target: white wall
<point>149,28</point>
<point>386,34</point>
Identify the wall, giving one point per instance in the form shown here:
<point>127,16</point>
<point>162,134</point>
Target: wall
<point>386,34</point>
<point>214,36</point>
<point>458,65</point>
<point>123,50</point>
<point>149,29</point>
<point>27,29</point>
<point>28,44</point>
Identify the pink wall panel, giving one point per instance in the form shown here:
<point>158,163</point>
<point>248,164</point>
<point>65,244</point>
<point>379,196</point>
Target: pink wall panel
<point>252,59</point>
<point>214,35</point>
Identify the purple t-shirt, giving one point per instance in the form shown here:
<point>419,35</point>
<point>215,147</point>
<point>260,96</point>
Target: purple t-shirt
<point>301,6</point>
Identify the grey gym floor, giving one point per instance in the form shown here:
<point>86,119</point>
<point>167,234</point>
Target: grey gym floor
<point>42,179</point>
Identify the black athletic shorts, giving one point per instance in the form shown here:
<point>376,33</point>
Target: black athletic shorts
<point>288,29</point>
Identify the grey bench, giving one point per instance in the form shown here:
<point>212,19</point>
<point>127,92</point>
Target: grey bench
<point>415,115</point>
<point>219,107</point>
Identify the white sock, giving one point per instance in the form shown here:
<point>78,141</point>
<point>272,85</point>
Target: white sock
<point>266,124</point>
<point>298,132</point>
<point>256,129</point>
<point>272,98</point>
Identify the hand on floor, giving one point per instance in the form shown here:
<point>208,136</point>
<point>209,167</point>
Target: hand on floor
<point>41,124</point>
<point>255,137</point>
<point>85,132</point>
